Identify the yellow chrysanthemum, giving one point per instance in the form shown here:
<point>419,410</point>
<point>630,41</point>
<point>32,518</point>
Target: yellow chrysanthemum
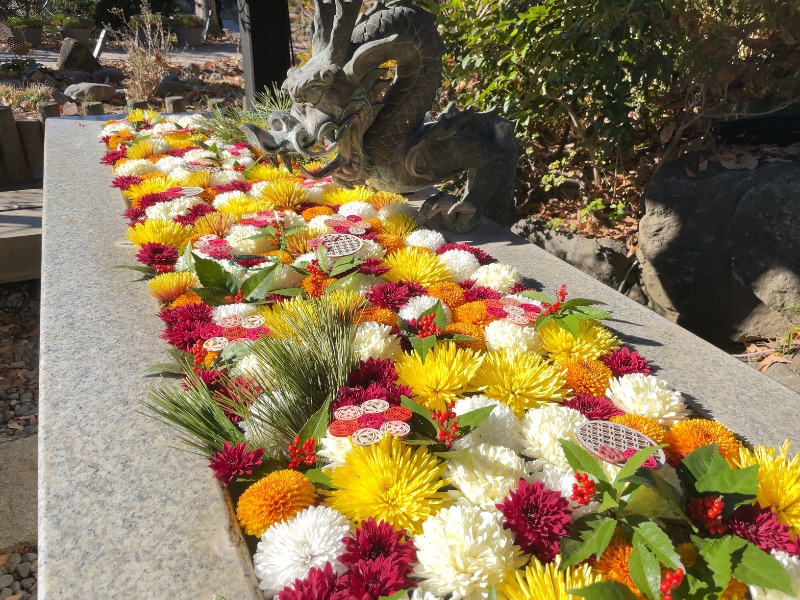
<point>266,172</point>
<point>593,341</point>
<point>213,224</point>
<point>339,195</point>
<point>381,199</point>
<point>389,481</point>
<point>187,298</point>
<point>141,149</point>
<point>778,481</point>
<point>243,205</point>
<point>283,257</point>
<point>196,179</point>
<point>586,376</point>
<point>613,564</point>
<point>384,316</point>
<point>417,265</point>
<point>401,225</point>
<point>161,231</point>
<point>275,498</point>
<point>144,115</point>
<point>347,302</point>
<point>284,194</point>
<point>547,582</point>
<point>478,341</point>
<point>474,313</point>
<point>691,434</point>
<point>520,380</point>
<point>276,316</point>
<point>390,242</point>
<point>444,376</point>
<point>183,139</point>
<point>316,211</point>
<point>448,292</point>
<point>297,243</point>
<point>151,185</point>
<point>168,287</point>
<point>650,427</point>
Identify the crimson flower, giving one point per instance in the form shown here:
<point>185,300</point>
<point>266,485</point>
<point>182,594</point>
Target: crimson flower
<point>761,527</point>
<point>394,295</point>
<point>482,256</point>
<point>372,579</point>
<point>155,253</point>
<point>234,461</point>
<point>195,212</point>
<point>375,539</point>
<point>123,182</point>
<point>623,362</point>
<point>594,408</point>
<point>372,370</point>
<point>319,584</point>
<point>478,292</point>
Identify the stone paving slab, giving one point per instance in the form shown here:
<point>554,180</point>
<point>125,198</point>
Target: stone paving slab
<point>20,234</point>
<point>18,494</point>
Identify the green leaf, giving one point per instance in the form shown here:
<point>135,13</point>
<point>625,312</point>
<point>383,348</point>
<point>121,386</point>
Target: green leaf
<point>592,542</point>
<point>439,317</point>
<point>345,264</point>
<point>491,594</point>
<point>579,302</point>
<point>608,503</point>
<point>293,230</point>
<point>759,568</point>
<point>319,477</point>
<point>740,482</point>
<point>703,460</point>
<point>666,490</point>
<point>422,418</point>
<point>538,296</point>
<point>165,369</point>
<point>287,292</point>
<point>645,570</point>
<point>212,296</point>
<point>140,268</point>
<point>317,426</point>
<point>340,282</point>
<point>211,274</point>
<point>581,461</point>
<point>257,285</point>
<point>453,454</point>
<point>570,323</point>
<point>423,345</point>
<point>632,465</point>
<point>591,313</point>
<point>658,542</point>
<point>718,557</point>
<point>605,590</point>
<point>322,257</point>
<point>542,321</point>
<point>474,418</point>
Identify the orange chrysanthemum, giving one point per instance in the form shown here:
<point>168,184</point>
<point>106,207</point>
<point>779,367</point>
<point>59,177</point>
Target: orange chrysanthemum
<point>188,298</point>
<point>691,434</point>
<point>474,331</point>
<point>213,224</point>
<point>384,316</point>
<point>208,359</point>
<point>645,425</point>
<point>391,242</point>
<point>613,564</point>
<point>377,225</point>
<point>314,285</point>
<point>473,313</point>
<point>119,138</point>
<point>381,199</point>
<point>284,257</point>
<point>168,287</point>
<point>448,292</point>
<point>316,211</point>
<point>587,376</point>
<point>276,498</point>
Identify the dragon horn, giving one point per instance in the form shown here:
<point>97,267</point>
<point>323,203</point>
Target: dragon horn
<point>342,29</point>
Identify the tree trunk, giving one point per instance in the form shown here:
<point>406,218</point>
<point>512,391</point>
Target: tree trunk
<point>202,8</point>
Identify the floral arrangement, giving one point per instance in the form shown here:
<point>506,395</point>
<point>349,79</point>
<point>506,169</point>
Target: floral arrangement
<point>396,416</point>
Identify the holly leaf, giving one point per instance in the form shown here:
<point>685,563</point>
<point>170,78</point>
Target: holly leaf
<point>211,274</point>
<point>319,477</point>
<point>632,465</point>
<point>345,264</point>
<point>579,302</point>
<point>592,541</point>
<point>581,461</point>
<point>544,298</point>
<point>474,418</point>
<point>604,590</point>
<point>589,312</point>
<point>339,283</point>
<point>212,296</point>
<point>658,542</point>
<point>645,570</point>
<point>322,257</point>
<point>651,479</point>
<point>422,345</point>
<point>439,317</point>
<point>739,486</point>
<point>165,370</point>
<point>421,418</point>
<point>571,323</point>
<point>141,268</point>
<point>257,285</point>
<point>317,426</point>
<point>287,292</point>
<point>756,567</point>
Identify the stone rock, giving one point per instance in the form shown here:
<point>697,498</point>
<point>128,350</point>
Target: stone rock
<point>605,259</point>
<point>76,56</point>
<point>6,580</point>
<point>170,85</point>
<point>78,76</point>
<point>90,92</point>
<point>112,74</point>
<point>41,77</point>
<point>23,569</point>
<point>720,253</point>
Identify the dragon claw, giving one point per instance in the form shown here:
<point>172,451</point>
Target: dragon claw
<point>449,212</point>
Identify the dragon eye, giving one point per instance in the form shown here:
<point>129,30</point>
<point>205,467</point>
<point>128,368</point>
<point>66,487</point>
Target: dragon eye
<point>311,95</point>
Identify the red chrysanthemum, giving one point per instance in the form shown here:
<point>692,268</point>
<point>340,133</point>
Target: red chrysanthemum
<point>233,186</point>
<point>372,579</point>
<point>179,152</point>
<point>111,157</point>
<point>623,362</point>
<point>372,370</point>
<point>210,377</point>
<point>189,312</point>
<point>761,527</point>
<point>391,393</point>
<point>185,324</point>
<point>482,256</point>
<point>134,216</point>
<point>394,295</point>
<point>123,182</point>
<point>349,396</point>
<point>251,262</point>
<point>319,584</point>
<point>155,253</point>
<point>518,288</point>
<point>538,517</point>
<point>374,539</point>
<point>234,461</point>
<point>373,266</point>
<point>478,292</point>
<point>195,212</point>
<point>594,408</point>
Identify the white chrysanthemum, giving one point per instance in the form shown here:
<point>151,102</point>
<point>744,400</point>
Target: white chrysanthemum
<point>163,127</point>
<point>419,594</point>
<point>502,427</point>
<point>317,191</point>
<point>258,188</point>
<point>333,450</point>
<point>225,310</point>
<point>233,161</point>
<point>247,366</point>
<point>180,175</point>
<point>374,340</point>
<point>317,227</point>
<point>168,164</point>
<point>485,475</point>
<point>370,249</point>
<point>289,550</point>
<point>304,258</point>
<point>791,564</point>
<point>543,427</point>
<point>116,126</point>
<point>198,154</point>
<point>136,167</point>
<point>647,396</point>
<point>463,550</point>
<point>223,198</point>
<point>188,121</point>
<point>159,145</point>
<point>359,209</point>
<point>231,151</point>
<point>503,334</point>
<point>461,264</point>
<point>497,276</point>
<point>648,503</point>
<point>561,479</point>
<point>292,219</point>
<point>427,238</point>
<point>360,283</point>
<point>238,273</point>
<point>226,176</point>
<point>285,278</point>
<point>240,240</point>
<point>524,299</point>
<point>419,304</point>
<point>171,209</point>
<point>398,208</point>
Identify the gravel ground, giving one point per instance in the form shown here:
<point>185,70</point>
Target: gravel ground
<point>18,575</point>
<point>19,360</point>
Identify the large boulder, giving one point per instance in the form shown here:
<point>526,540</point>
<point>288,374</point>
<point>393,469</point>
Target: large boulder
<point>720,252</point>
<point>90,92</point>
<point>74,56</point>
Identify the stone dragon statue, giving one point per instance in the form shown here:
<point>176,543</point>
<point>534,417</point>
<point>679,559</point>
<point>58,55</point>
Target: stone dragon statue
<point>379,125</point>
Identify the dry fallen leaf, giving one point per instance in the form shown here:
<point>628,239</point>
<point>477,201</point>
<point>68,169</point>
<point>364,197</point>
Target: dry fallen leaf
<point>666,133</point>
<point>770,360</point>
<point>689,172</point>
<point>703,165</point>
